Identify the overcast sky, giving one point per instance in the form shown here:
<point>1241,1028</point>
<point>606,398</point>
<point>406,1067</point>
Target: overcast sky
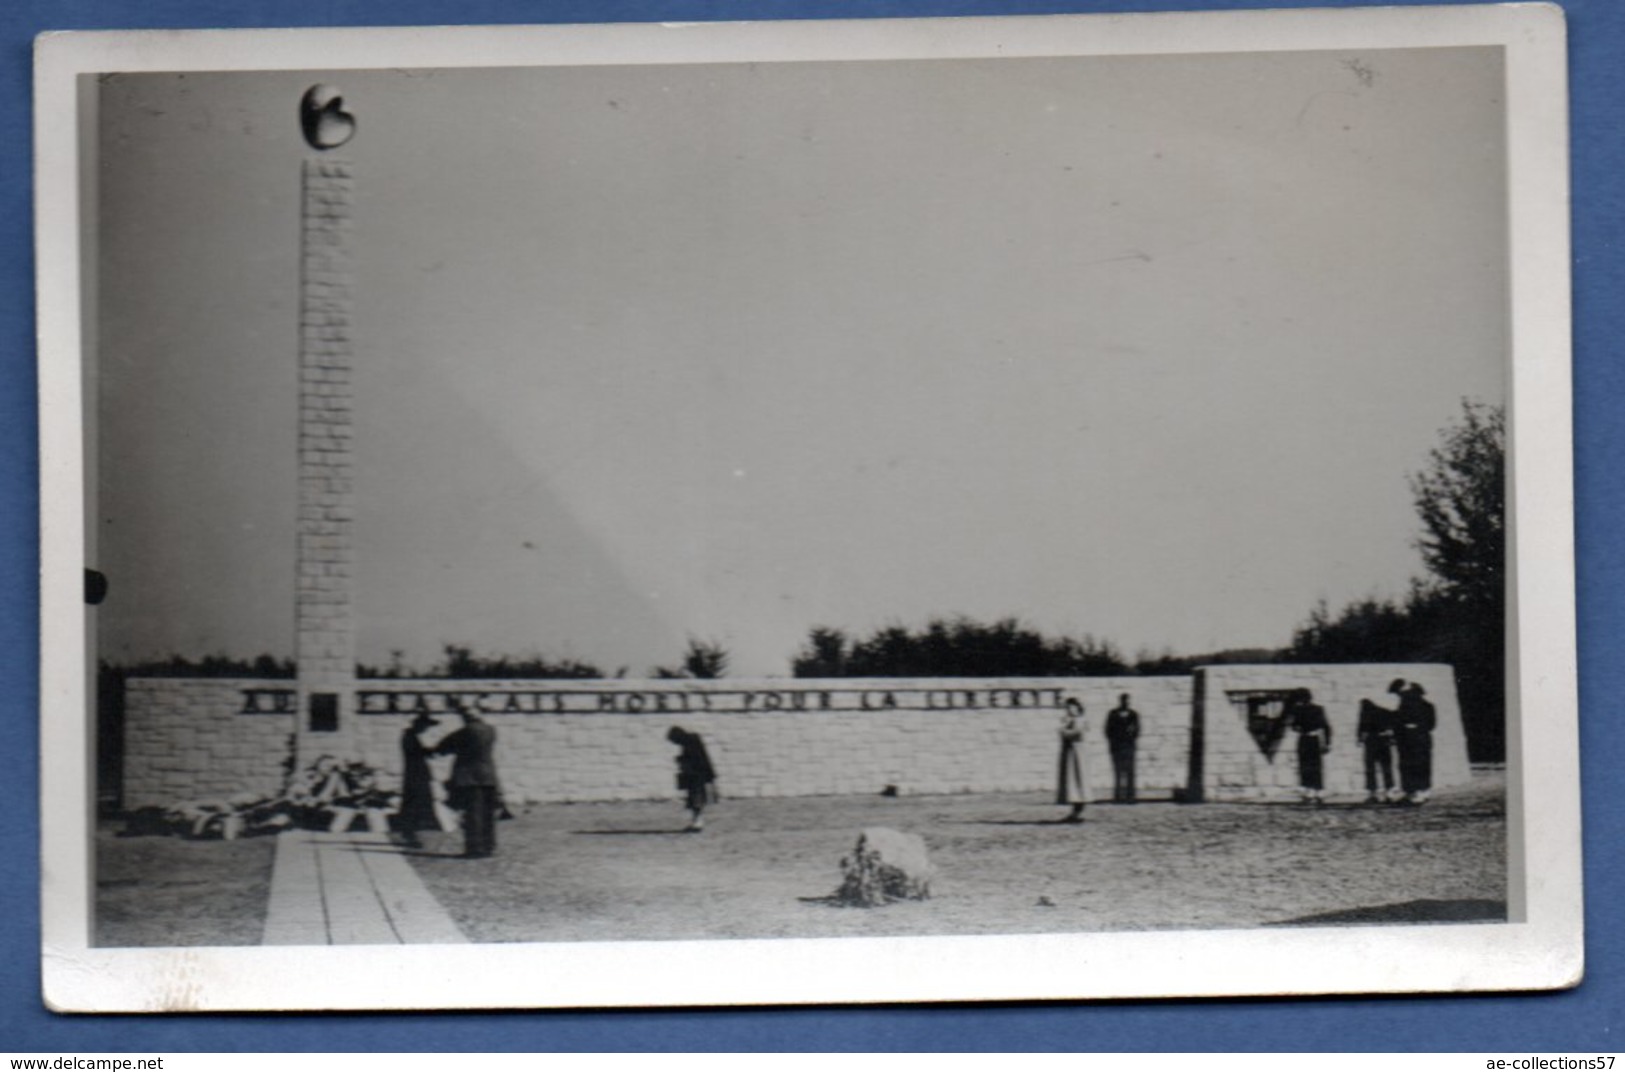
<point>1138,347</point>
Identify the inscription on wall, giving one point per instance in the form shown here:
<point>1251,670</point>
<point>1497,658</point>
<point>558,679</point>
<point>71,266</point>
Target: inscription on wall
<point>594,740</point>
<point>709,701</point>
<point>269,701</point>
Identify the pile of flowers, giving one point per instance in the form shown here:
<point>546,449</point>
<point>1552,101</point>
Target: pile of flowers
<point>326,795</point>
<point>227,817</point>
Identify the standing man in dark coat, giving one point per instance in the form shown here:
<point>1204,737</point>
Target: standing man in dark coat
<point>1308,720</point>
<point>1122,733</point>
<point>1413,733</point>
<point>473,781</point>
<point>1376,736</point>
<point>417,784</point>
<point>695,775</point>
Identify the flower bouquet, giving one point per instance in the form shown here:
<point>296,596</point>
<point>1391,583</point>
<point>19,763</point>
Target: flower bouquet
<point>329,795</point>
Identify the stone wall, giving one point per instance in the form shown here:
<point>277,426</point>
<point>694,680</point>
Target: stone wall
<point>605,740</point>
<point>188,739</point>
<point>1236,767</point>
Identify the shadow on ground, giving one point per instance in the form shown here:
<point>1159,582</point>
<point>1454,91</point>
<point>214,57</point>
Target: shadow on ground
<point>1423,911</point>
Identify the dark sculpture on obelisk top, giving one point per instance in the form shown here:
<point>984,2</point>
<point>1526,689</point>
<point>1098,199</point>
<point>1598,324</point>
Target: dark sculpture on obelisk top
<point>323,119</point>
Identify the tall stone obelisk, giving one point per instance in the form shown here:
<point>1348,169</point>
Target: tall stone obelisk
<point>324,601</point>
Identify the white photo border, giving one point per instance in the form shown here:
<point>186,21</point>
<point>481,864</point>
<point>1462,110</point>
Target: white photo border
<point>1539,948</point>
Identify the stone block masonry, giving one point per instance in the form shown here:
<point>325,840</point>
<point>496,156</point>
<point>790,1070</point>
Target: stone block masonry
<point>188,739</point>
<point>1237,768</point>
<point>586,741</point>
<point>324,615</point>
<point>564,741</point>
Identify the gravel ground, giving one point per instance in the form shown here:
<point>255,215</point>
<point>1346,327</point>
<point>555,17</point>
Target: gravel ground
<point>765,868</point>
<point>173,891</point>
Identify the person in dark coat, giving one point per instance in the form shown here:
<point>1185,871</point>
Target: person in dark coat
<point>1413,734</point>
<point>1308,720</point>
<point>473,782</point>
<point>417,783</point>
<point>1122,736</point>
<point>1376,737</point>
<point>1070,787</point>
<point>695,775</point>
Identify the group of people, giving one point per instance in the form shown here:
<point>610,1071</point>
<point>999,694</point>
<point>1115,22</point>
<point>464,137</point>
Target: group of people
<point>1122,737</point>
<point>472,790</point>
<point>1404,732</point>
<point>475,793</point>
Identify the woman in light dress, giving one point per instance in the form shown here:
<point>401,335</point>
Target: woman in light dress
<point>1070,788</point>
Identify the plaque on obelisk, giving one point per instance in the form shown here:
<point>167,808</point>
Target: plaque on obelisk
<point>324,602</point>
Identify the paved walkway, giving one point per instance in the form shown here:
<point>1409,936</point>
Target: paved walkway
<point>350,889</point>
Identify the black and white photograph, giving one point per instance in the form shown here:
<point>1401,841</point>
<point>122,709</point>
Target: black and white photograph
<point>962,509</point>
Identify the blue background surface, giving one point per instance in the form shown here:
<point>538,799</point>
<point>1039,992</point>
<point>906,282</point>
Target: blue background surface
<point>1590,1018</point>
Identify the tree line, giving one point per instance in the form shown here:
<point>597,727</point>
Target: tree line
<point>1456,614</point>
